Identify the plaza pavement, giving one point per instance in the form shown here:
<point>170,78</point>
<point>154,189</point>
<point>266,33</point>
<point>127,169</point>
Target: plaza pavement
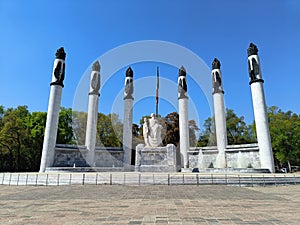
<point>151,204</point>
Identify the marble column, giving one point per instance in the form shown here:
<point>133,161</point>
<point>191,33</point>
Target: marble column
<point>183,117</point>
<point>56,86</point>
<point>219,113</point>
<point>127,125</point>
<point>92,117</point>
<point>260,110</point>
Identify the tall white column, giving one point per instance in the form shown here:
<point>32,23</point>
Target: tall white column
<point>184,142</point>
<point>127,123</point>
<point>92,117</point>
<point>58,75</point>
<point>219,113</point>
<point>260,110</point>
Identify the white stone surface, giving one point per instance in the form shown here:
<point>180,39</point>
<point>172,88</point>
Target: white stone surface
<point>258,76</point>
<point>155,159</point>
<point>127,131</point>
<point>262,126</point>
<point>51,127</point>
<point>183,131</point>
<point>152,132</point>
<point>91,128</point>
<point>221,133</point>
<point>92,117</point>
<point>56,61</point>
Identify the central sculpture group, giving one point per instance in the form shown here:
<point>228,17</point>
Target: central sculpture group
<point>152,132</point>
<point>152,156</point>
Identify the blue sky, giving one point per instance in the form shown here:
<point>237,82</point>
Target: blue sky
<point>31,31</point>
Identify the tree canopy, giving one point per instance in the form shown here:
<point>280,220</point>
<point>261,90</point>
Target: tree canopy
<point>22,133</point>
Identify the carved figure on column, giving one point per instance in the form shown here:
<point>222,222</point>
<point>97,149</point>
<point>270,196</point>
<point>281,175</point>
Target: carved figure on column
<point>152,132</point>
<point>59,70</point>
<point>217,80</point>
<point>146,132</point>
<point>182,86</point>
<point>128,84</point>
<point>253,64</point>
<point>95,80</point>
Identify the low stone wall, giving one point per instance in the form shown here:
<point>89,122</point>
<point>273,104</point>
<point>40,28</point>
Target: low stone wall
<point>237,156</point>
<point>71,155</point>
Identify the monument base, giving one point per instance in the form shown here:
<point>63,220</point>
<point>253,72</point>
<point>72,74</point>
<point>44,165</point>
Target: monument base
<point>156,159</point>
<point>224,170</point>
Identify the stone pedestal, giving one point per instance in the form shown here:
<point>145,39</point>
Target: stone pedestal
<point>183,99</point>
<point>91,129</point>
<point>260,109</point>
<point>92,117</point>
<point>56,85</point>
<point>51,127</point>
<point>183,131</point>
<point>127,122</point>
<point>156,159</point>
<point>127,131</point>
<point>262,127</point>
<point>219,113</point>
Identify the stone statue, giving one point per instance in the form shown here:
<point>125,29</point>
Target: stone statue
<point>146,132</point>
<point>95,80</point>
<point>253,64</point>
<point>59,70</point>
<point>216,64</point>
<point>252,50</point>
<point>60,53</point>
<point>128,84</point>
<point>254,72</point>
<point>182,86</point>
<point>217,80</point>
<point>152,132</point>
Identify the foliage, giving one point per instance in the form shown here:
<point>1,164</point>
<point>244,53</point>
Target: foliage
<point>285,136</point>
<point>22,134</point>
<point>237,131</point>
<point>109,130</point>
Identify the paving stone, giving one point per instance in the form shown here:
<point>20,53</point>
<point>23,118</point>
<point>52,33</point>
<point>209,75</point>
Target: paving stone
<point>104,204</point>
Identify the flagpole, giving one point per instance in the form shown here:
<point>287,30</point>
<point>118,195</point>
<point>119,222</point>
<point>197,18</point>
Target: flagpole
<point>157,87</point>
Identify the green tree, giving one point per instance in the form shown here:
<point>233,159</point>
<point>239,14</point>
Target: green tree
<point>65,130</point>
<point>285,136</point>
<point>207,136</point>
<point>238,132</point>
<point>79,120</point>
<point>172,129</point>
<point>109,128</point>
<point>36,123</point>
<point>193,128</point>
<point>13,138</point>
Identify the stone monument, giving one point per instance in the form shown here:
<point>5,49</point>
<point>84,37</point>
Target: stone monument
<point>152,132</point>
<point>183,117</point>
<point>127,126</point>
<point>92,117</point>
<point>219,112</point>
<point>56,86</point>
<point>153,156</point>
<point>260,110</point>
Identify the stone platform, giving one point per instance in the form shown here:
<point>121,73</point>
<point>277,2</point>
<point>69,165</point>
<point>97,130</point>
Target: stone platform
<point>149,205</point>
<point>89,169</point>
<point>225,170</point>
<point>156,159</point>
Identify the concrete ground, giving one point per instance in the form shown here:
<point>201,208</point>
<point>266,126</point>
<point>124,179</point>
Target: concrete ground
<point>153,204</point>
